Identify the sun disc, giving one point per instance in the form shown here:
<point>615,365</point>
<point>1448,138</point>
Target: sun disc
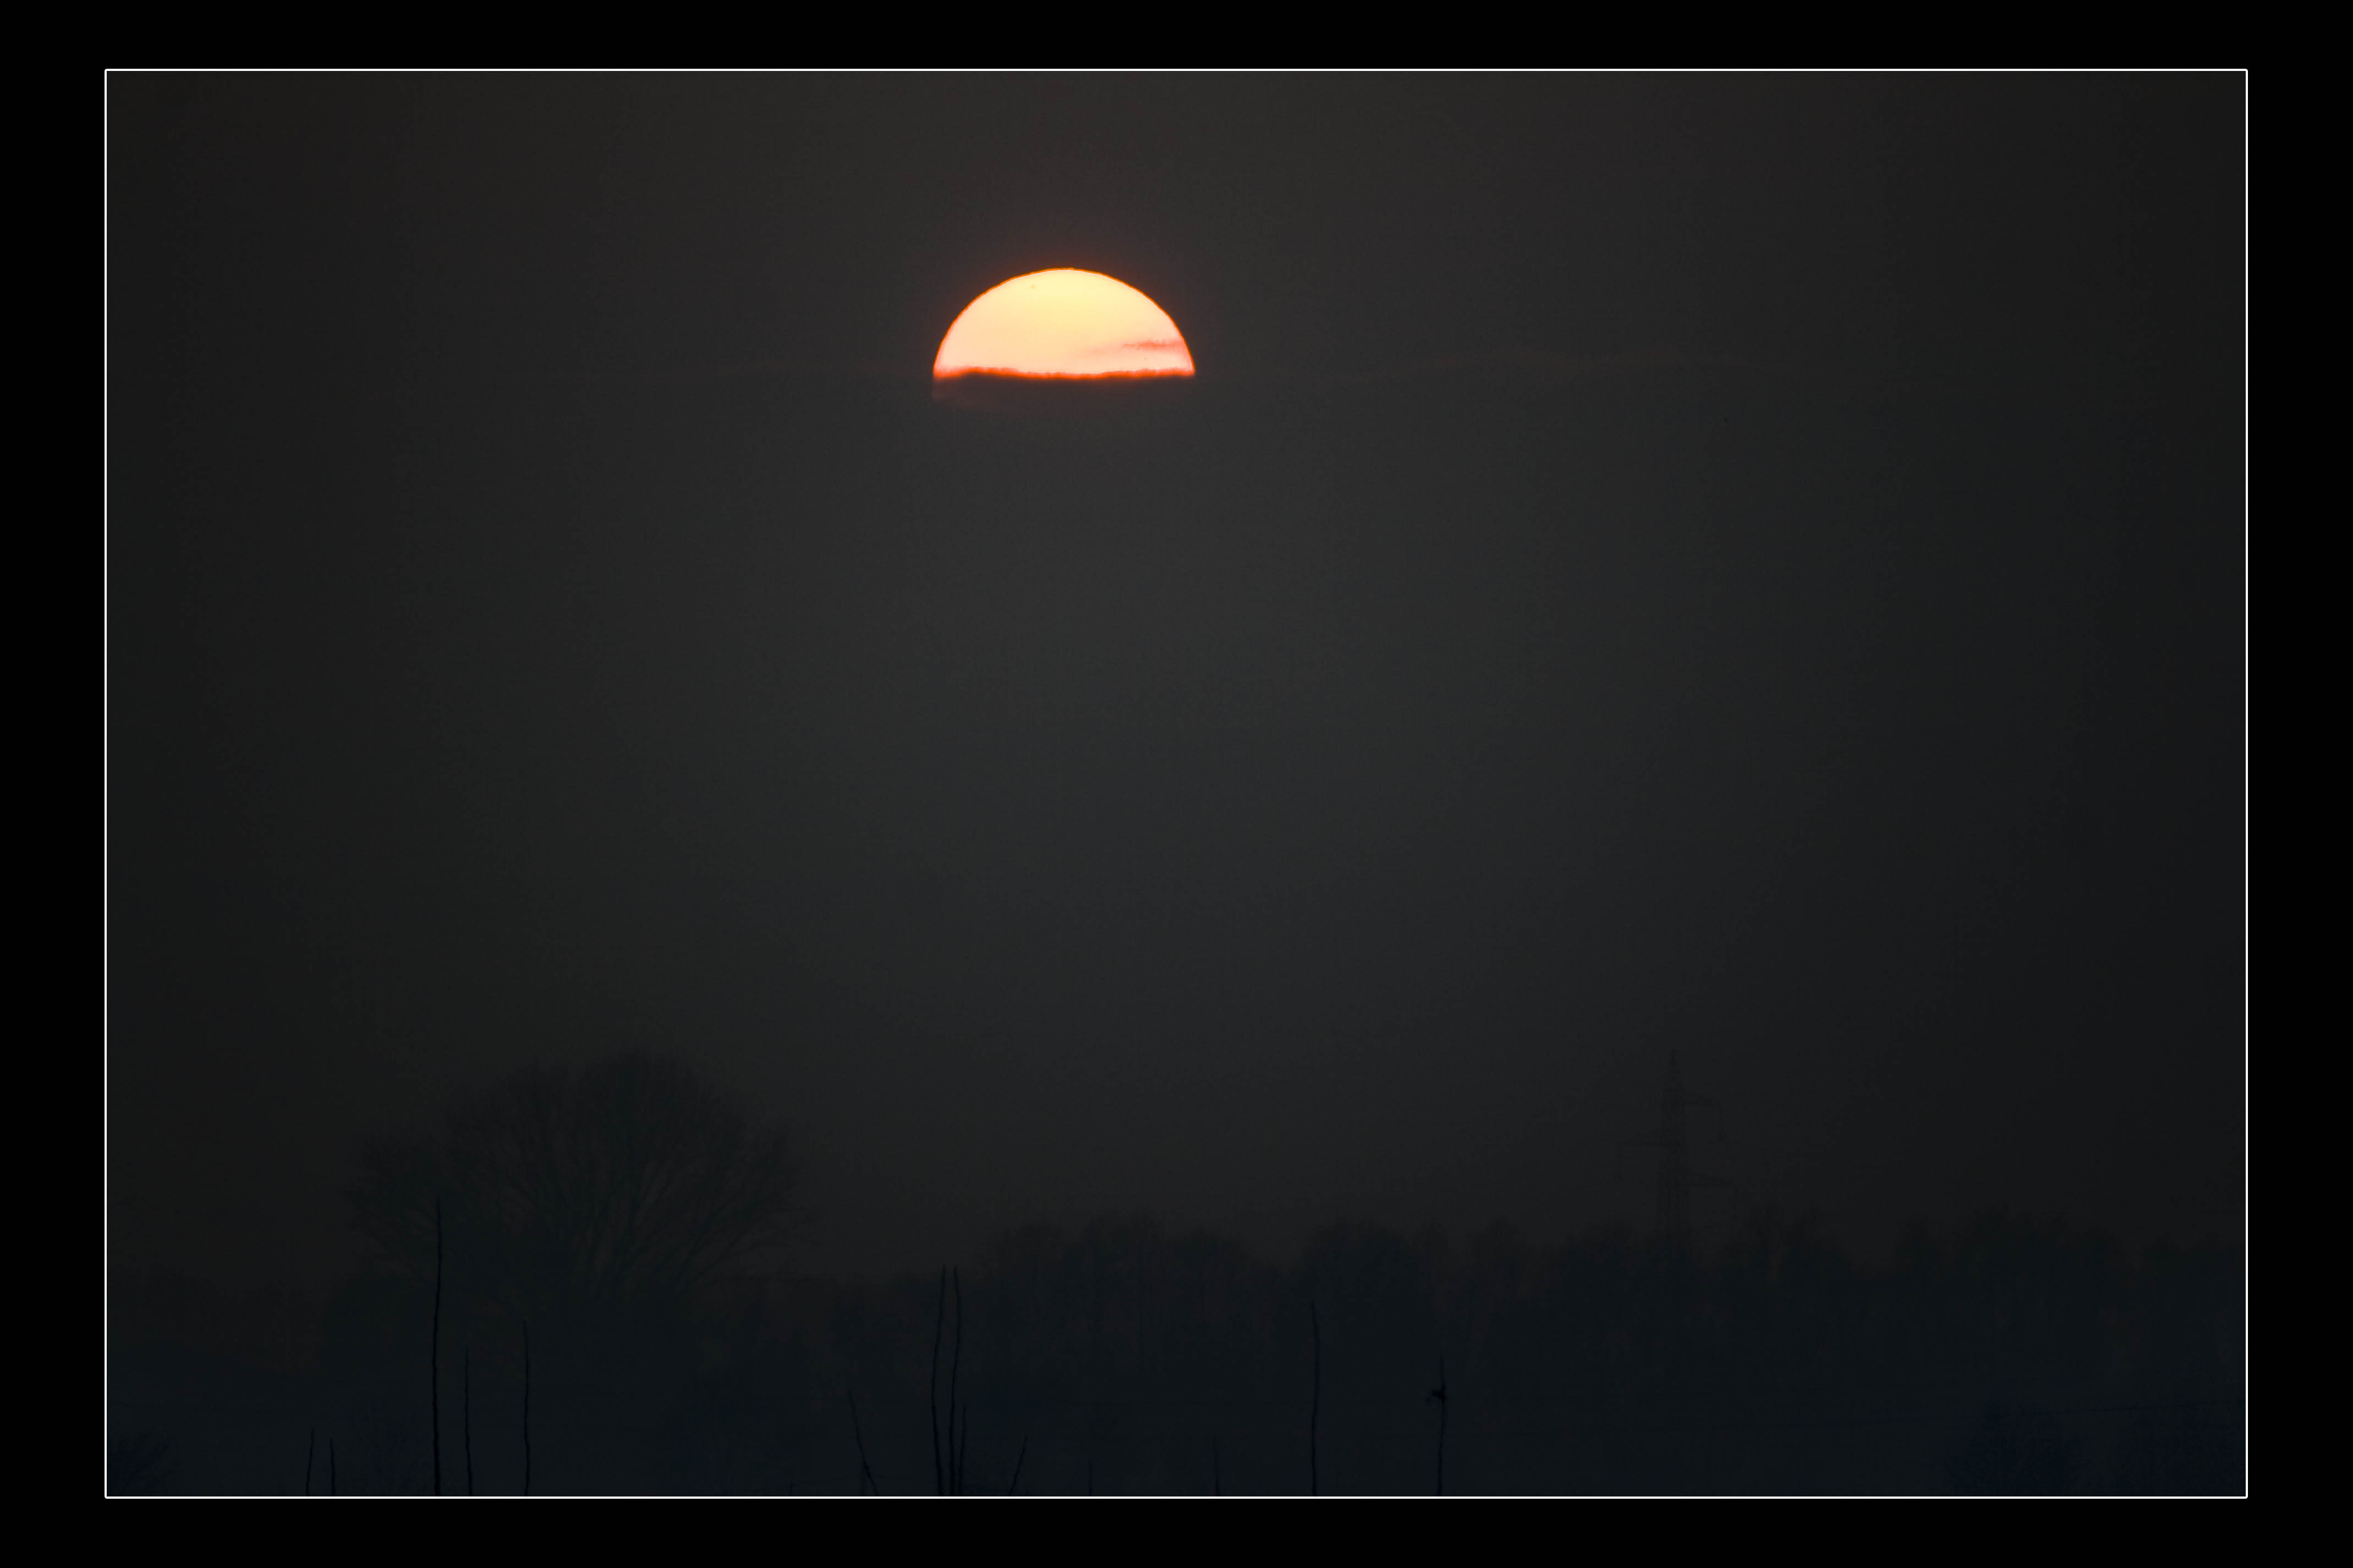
<point>1064,324</point>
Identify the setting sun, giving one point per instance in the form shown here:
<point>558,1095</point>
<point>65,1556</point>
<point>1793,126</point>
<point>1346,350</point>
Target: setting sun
<point>1064,324</point>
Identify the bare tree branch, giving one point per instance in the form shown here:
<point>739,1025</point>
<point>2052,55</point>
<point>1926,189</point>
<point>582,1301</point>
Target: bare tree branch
<point>617,1185</point>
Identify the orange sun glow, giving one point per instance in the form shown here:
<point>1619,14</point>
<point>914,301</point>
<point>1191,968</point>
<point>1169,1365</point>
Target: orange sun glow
<point>1062,325</point>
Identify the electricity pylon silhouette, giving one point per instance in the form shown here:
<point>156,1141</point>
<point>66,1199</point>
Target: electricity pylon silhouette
<point>1676,1180</point>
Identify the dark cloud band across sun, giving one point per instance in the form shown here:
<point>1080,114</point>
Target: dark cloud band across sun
<point>1064,324</point>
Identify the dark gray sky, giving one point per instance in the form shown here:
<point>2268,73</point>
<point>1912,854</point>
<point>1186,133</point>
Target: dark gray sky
<point>1742,566</point>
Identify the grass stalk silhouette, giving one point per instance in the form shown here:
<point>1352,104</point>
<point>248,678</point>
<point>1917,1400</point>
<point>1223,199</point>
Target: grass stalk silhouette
<point>939,1330</point>
<point>866,1483</point>
<point>1438,1397</point>
<point>957,1438</point>
<point>1315,1395</point>
<point>436,1361</point>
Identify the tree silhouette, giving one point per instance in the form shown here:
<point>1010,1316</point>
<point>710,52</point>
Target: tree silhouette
<point>622,1186</point>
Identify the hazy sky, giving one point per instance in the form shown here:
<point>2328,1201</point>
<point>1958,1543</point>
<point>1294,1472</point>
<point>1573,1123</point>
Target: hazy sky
<point>1746,567</point>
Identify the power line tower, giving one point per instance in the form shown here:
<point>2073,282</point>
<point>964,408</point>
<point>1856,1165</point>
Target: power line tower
<point>1672,1141</point>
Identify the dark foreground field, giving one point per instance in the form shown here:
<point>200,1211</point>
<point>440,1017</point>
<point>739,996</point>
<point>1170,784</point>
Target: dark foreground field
<point>2009,1357</point>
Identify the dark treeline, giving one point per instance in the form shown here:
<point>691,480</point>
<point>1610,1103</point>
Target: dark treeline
<point>2009,1355</point>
